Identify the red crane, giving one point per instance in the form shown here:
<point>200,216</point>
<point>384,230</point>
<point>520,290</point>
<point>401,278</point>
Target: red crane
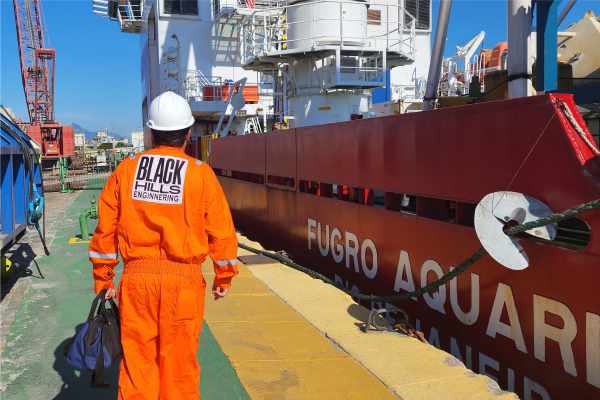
<point>37,73</point>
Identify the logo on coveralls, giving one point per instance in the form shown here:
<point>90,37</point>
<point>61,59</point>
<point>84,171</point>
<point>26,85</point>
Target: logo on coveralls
<point>159,179</point>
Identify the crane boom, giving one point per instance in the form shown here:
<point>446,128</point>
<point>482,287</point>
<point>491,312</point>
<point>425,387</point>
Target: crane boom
<point>37,62</point>
<point>37,73</point>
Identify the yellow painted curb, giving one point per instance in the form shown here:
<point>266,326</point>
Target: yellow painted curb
<point>77,241</point>
<point>276,353</point>
<point>413,370</point>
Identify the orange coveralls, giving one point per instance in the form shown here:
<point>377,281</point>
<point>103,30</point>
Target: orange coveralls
<point>164,212</point>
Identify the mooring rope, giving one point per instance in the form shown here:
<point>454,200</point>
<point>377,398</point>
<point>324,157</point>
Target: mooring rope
<point>577,210</point>
<point>578,129</point>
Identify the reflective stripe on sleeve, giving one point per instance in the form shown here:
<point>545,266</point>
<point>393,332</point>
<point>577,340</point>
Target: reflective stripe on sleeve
<point>221,263</point>
<point>94,254</point>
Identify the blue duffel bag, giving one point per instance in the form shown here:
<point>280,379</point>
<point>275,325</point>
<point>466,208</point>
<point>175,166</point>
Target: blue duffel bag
<point>98,342</point>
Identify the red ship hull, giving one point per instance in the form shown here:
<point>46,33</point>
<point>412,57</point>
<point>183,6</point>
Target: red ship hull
<point>535,331</point>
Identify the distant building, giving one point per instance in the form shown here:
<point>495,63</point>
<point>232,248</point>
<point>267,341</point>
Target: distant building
<point>124,140</point>
<point>101,134</point>
<point>79,140</point>
<point>8,114</point>
<point>104,142</point>
<point>137,139</point>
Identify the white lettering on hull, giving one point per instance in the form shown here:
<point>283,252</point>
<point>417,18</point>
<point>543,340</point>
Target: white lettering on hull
<point>324,250</point>
<point>335,245</point>
<point>455,351</point>
<point>437,299</point>
<point>534,387</point>
<point>511,380</point>
<point>504,298</point>
<point>471,317</point>
<point>347,246</point>
<point>485,361</point>
<point>434,338</point>
<point>489,366</point>
<point>311,234</point>
<point>542,330</point>
<point>368,244</point>
<point>404,266</point>
<point>592,348</point>
<point>351,250</point>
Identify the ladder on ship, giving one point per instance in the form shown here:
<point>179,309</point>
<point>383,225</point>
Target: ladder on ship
<point>254,125</point>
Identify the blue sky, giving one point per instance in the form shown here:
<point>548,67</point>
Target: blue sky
<point>98,67</point>
<point>97,73</point>
<point>468,18</point>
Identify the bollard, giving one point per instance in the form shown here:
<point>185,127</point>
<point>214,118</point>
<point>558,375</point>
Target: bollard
<point>63,170</point>
<point>92,213</point>
<point>7,269</point>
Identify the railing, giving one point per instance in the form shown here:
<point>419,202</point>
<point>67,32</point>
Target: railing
<point>449,87</point>
<point>86,167</point>
<point>198,87</point>
<point>131,12</point>
<point>100,7</point>
<point>268,28</point>
<point>415,91</point>
<point>129,15</point>
<point>221,7</point>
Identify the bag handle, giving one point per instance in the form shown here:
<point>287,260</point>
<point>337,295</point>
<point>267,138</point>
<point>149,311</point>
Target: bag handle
<point>99,297</point>
<point>113,306</point>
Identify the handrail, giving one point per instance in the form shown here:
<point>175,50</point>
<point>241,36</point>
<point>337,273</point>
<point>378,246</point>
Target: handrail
<point>262,29</point>
<point>191,88</point>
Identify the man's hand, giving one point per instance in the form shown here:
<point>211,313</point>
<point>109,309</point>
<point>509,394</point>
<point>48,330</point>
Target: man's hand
<point>110,293</point>
<point>218,294</point>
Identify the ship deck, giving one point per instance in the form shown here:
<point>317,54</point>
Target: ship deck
<point>279,334</point>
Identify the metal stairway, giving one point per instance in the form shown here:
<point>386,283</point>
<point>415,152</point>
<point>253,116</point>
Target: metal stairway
<point>254,125</point>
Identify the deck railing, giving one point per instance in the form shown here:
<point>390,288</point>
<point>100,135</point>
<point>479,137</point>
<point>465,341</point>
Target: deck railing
<point>129,14</point>
<point>199,87</point>
<point>389,26</point>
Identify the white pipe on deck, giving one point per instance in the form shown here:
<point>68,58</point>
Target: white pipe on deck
<point>519,43</point>
<point>437,55</point>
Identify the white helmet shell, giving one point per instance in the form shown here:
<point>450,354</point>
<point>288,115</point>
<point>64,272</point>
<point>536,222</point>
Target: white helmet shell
<point>169,112</point>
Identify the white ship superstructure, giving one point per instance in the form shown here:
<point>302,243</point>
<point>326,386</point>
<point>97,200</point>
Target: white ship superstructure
<point>330,55</point>
<point>183,51</point>
<point>408,82</point>
<point>246,66</point>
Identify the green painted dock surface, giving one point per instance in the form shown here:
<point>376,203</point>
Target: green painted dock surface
<point>56,303</point>
<point>278,334</point>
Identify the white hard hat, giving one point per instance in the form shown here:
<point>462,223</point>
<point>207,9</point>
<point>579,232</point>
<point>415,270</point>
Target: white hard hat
<point>170,112</point>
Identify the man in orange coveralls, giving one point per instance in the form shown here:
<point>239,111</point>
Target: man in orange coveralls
<point>164,212</point>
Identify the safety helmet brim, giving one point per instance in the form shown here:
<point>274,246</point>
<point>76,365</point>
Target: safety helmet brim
<point>187,124</point>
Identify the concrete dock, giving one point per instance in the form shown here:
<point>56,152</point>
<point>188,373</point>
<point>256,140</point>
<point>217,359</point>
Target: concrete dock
<point>278,334</point>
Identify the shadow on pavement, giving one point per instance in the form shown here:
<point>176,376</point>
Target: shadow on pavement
<point>78,387</point>
<point>22,256</point>
<point>361,314</point>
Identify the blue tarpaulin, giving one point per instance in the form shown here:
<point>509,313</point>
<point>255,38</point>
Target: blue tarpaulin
<point>14,181</point>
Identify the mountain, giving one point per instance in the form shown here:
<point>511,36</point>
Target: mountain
<point>91,133</point>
